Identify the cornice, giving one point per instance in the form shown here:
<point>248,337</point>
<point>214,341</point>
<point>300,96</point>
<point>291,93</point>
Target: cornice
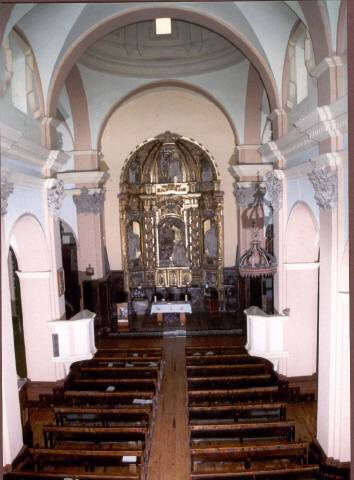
<point>321,124</point>
<point>88,177</point>
<point>245,171</point>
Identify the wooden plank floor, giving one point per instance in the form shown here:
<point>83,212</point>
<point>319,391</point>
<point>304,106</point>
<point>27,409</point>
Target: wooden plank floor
<point>169,457</point>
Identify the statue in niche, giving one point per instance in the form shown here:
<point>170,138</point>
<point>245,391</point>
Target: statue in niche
<point>134,171</point>
<point>207,174</point>
<point>133,240</point>
<point>169,167</point>
<point>172,249</point>
<point>211,242</point>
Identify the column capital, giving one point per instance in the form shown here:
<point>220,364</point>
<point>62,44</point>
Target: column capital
<point>244,193</point>
<point>55,160</point>
<point>273,182</point>
<point>55,194</point>
<point>325,183</point>
<point>90,200</point>
<point>6,189</point>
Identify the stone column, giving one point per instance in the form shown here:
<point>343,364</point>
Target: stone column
<point>333,419</point>
<point>89,203</point>
<point>11,416</point>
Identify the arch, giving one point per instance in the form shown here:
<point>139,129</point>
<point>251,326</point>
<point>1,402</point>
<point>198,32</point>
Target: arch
<point>79,110</point>
<point>302,235</point>
<point>167,83</point>
<point>28,241</point>
<point>32,64</point>
<point>317,20</point>
<point>254,97</point>
<point>5,12</point>
<point>342,28</point>
<point>145,13</point>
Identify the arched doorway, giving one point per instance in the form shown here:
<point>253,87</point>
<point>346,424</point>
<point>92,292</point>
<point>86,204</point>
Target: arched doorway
<point>71,275</point>
<point>17,319</point>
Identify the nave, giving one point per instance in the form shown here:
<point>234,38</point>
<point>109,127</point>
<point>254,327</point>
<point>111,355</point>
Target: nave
<point>173,408</point>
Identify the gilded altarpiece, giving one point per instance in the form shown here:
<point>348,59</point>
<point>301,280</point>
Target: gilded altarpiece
<point>171,215</point>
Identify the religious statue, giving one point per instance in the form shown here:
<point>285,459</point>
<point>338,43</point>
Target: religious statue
<point>210,242</point>
<point>134,249</point>
<point>169,167</point>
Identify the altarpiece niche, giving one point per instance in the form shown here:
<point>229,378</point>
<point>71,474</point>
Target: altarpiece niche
<point>171,215</point>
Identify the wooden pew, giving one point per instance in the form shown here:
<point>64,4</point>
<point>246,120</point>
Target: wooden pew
<point>295,451</point>
<point>232,395</point>
<point>89,397</point>
<point>282,429</point>
<point>232,381</point>
<point>119,372</point>
<point>231,358</point>
<point>30,475</point>
<point>123,359</point>
<point>301,472</point>
<point>226,369</point>
<point>106,416</point>
<point>53,434</point>
<point>219,349</point>
<point>256,411</point>
<point>126,352</point>
<point>120,384</point>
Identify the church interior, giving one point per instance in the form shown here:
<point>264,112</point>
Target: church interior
<point>175,240</point>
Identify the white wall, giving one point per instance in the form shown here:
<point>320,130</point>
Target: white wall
<point>154,112</point>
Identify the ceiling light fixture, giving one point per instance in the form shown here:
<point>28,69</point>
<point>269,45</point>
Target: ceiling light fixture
<point>163,26</point>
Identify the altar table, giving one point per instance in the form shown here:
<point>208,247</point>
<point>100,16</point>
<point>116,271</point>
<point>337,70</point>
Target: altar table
<point>171,307</point>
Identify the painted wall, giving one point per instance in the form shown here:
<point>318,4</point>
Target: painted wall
<point>148,115</point>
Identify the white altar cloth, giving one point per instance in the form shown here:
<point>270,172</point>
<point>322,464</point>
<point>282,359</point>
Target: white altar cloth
<point>171,307</point>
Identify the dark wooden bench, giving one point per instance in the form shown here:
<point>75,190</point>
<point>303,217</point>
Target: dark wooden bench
<point>226,369</point>
<point>124,359</point>
<point>231,358</point>
<point>232,395</point>
<point>276,411</point>
<point>215,350</point>
<point>106,416</point>
<point>118,372</point>
<point>53,434</point>
<point>120,384</point>
<point>28,475</point>
<point>294,451</point>
<point>89,458</point>
<point>301,472</point>
<point>89,397</point>
<point>230,381</point>
<point>282,429</point>
<point>131,350</point>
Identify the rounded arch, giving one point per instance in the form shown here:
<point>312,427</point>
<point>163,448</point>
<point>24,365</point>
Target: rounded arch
<point>319,28</point>
<point>342,28</point>
<point>302,235</point>
<point>145,13</point>
<point>71,229</point>
<point>38,110</point>
<point>167,83</point>
<point>29,244</point>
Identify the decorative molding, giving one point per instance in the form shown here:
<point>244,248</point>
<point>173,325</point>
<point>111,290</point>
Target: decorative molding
<point>274,188</point>
<point>325,184</point>
<point>326,64</point>
<point>247,170</point>
<point>15,146</point>
<point>322,123</point>
<point>55,195</point>
<point>6,189</point>
<point>84,177</point>
<point>56,159</point>
<point>88,202</point>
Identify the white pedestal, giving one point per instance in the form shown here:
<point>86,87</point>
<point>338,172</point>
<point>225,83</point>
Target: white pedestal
<point>76,339</point>
<point>265,337</point>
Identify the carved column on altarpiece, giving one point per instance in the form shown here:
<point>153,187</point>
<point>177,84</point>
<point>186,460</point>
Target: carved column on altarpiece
<point>219,210</point>
<point>194,240</point>
<point>149,241</point>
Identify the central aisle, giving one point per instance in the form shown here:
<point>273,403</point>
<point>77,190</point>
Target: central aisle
<point>170,434</point>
